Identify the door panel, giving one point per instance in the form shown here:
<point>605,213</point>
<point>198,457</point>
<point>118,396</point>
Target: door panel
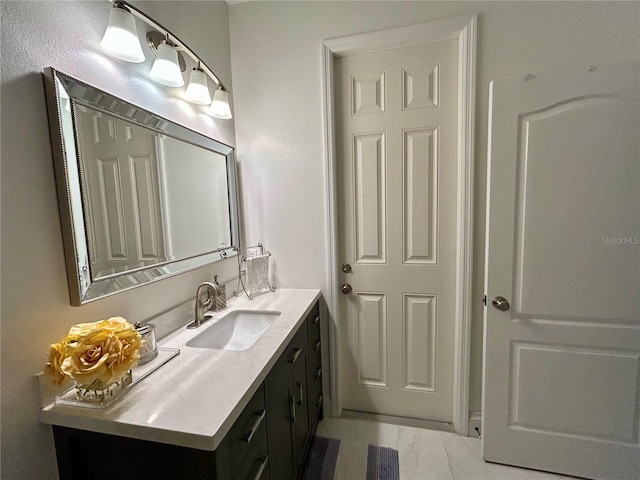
<point>561,384</point>
<point>371,342</point>
<point>571,376</point>
<point>419,342</point>
<point>367,93</point>
<point>145,205</point>
<point>420,87</point>
<point>573,192</point>
<point>369,164</point>
<point>396,132</point>
<point>112,211</point>
<point>420,186</point>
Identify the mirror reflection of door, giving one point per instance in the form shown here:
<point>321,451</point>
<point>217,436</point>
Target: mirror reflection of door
<point>122,182</point>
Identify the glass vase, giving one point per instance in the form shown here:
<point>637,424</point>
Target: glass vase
<point>99,393</point>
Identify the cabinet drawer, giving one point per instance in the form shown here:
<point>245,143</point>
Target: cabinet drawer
<point>244,433</point>
<point>255,465</point>
<point>281,371</point>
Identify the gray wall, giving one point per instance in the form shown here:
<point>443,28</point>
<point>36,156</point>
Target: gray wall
<point>276,51</point>
<point>35,301</point>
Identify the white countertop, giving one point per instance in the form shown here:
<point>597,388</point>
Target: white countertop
<point>193,400</point>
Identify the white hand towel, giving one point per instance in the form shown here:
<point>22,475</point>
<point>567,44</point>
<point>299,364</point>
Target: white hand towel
<point>257,274</point>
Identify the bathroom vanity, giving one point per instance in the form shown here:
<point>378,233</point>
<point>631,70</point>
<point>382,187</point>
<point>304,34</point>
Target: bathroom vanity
<point>209,413</point>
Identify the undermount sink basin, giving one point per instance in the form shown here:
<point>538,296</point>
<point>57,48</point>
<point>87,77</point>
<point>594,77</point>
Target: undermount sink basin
<point>236,331</point>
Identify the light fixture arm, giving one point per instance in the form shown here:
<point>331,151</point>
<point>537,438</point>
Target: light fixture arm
<point>174,41</point>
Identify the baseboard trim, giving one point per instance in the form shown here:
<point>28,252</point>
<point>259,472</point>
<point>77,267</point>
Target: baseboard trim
<point>475,424</point>
<point>404,421</point>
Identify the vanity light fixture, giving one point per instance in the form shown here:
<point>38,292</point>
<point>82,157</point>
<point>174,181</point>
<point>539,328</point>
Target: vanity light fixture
<point>220,106</point>
<point>121,41</point>
<point>165,69</point>
<point>121,37</point>
<point>197,89</point>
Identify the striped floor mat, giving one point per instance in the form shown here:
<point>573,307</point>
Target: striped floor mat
<point>339,460</point>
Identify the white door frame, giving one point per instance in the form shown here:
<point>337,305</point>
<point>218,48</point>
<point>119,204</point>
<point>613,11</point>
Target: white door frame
<point>462,28</point>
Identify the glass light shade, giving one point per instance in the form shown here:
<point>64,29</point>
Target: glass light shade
<point>220,106</point>
<point>166,69</point>
<point>121,38</point>
<point>197,90</point>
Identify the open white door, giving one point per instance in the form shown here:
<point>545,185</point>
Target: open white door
<point>561,380</point>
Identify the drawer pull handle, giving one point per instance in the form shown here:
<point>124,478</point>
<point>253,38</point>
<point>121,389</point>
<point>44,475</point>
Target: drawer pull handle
<point>293,408</point>
<point>263,465</point>
<point>315,320</point>
<point>317,346</point>
<point>319,373</point>
<point>319,404</point>
<point>256,425</point>
<point>301,393</point>
<point>297,353</point>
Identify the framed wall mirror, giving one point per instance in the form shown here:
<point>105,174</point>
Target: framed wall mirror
<point>141,198</point>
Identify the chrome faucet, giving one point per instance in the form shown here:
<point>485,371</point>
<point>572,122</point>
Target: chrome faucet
<point>203,306</point>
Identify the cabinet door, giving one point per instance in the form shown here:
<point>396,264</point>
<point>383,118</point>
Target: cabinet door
<point>280,416</point>
<point>300,415</point>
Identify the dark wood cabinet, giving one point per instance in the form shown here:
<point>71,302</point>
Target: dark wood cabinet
<point>270,439</point>
<point>82,454</point>
<point>294,387</point>
<point>288,406</point>
<point>279,430</point>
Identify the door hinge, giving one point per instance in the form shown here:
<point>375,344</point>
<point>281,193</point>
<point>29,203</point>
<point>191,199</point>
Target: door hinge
<point>484,300</point>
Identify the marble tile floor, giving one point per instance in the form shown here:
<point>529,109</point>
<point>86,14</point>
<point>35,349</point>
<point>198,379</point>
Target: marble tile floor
<point>429,454</point>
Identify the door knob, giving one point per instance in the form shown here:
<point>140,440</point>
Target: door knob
<point>346,268</point>
<point>500,303</point>
<point>346,288</point>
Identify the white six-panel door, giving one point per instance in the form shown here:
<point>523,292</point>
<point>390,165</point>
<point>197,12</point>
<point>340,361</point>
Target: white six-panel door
<point>561,386</point>
<point>396,137</point>
<point>122,183</point>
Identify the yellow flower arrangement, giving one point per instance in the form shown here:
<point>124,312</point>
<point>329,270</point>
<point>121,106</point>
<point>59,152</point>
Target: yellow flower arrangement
<point>96,354</point>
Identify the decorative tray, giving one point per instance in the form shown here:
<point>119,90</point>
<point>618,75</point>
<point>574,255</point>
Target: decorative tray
<point>80,398</point>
